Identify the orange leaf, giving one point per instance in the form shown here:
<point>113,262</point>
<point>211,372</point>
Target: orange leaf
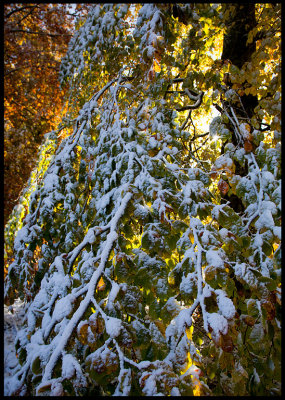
<point>214,173</point>
<point>101,284</point>
<point>248,146</point>
<point>223,187</point>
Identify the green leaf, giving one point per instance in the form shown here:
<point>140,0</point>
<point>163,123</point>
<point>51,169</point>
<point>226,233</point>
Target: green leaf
<point>229,219</point>
<point>267,248</point>
<point>36,366</point>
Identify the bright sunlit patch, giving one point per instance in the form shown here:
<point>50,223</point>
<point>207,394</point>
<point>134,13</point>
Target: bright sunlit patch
<point>197,390</point>
<point>191,368</point>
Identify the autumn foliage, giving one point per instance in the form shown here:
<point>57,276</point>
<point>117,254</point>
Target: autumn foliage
<point>35,39</point>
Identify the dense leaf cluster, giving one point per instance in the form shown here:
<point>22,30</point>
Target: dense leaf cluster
<point>149,260</point>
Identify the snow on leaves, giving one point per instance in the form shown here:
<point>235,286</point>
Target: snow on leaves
<point>136,270</point>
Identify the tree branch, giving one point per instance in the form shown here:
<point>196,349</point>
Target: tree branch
<point>26,16</point>
<point>39,33</point>
<point>17,10</point>
<point>186,120</point>
<point>177,80</point>
<point>193,106</point>
<point>175,91</point>
<point>218,108</point>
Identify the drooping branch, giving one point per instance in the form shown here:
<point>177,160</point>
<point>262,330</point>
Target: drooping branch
<point>107,248</point>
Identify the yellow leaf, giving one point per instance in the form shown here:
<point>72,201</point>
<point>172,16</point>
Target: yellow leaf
<point>253,91</point>
<point>197,390</point>
<point>191,237</point>
<point>189,332</point>
<point>156,67</point>
<point>101,284</point>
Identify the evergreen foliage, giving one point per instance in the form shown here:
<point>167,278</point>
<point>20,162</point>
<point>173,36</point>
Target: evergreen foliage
<point>150,257</point>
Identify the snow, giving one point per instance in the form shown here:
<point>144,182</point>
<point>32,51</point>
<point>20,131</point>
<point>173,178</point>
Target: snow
<point>214,259</point>
<point>256,377</point>
<point>226,307</point>
<point>113,327</point>
<point>267,178</point>
<point>223,162</point>
<point>207,290</point>
<point>149,388</point>
<point>268,205</point>
<point>265,220</point>
<point>277,231</point>
<point>37,337</point>
<point>56,389</point>
<point>68,367</point>
<point>90,236</point>
<point>187,283</point>
<point>113,294</point>
<point>152,143</point>
<point>46,320</point>
<point>223,233</point>
<point>104,200</point>
<point>51,182</point>
<point>22,236</point>
<point>172,306</point>
<point>31,320</point>
<point>140,150</point>
<point>63,307</point>
<point>257,241</point>
<point>239,154</point>
<point>170,330</point>
<point>193,370</point>
<point>156,334</point>
<point>58,264</point>
<point>206,237</point>
<point>214,126</point>
<point>183,319</point>
<point>195,223</point>
<point>218,323</point>
<point>242,272</point>
<point>13,319</point>
<point>175,392</point>
<point>53,298</point>
<point>194,187</point>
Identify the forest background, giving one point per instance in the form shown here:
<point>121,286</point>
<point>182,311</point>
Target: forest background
<point>36,37</point>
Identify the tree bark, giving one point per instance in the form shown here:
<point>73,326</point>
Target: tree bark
<point>241,22</point>
<point>235,47</point>
<point>238,52</point>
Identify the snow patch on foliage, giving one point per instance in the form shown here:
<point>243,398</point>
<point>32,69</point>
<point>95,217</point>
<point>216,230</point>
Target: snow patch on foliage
<point>22,236</point>
<point>226,307</point>
<point>113,327</point>
<point>218,323</point>
<point>214,259</point>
